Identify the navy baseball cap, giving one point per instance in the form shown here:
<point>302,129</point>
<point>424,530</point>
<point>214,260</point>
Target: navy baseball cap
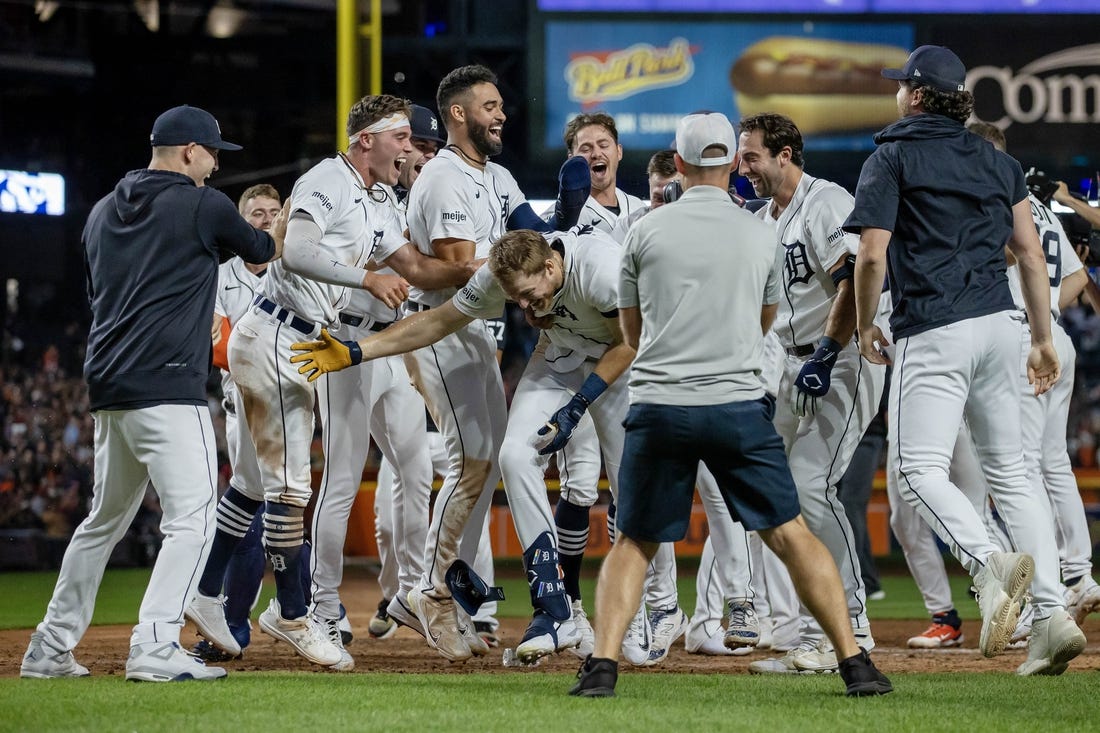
<point>185,125</point>
<point>424,124</point>
<point>934,66</point>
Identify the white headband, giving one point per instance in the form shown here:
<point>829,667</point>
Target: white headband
<point>392,122</point>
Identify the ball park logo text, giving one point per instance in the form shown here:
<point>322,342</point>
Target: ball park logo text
<point>1032,94</point>
<point>601,76</point>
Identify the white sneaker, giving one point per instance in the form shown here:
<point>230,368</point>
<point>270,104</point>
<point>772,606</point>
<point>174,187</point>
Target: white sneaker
<point>584,628</point>
<point>668,627</point>
<point>742,626</point>
<point>331,627</point>
<point>438,619</point>
<point>545,636</point>
<point>1001,585</point>
<point>304,634</point>
<point>1082,599</point>
<point>787,664</point>
<point>1055,640</point>
<point>208,615</point>
<point>639,636</point>
<point>167,662</point>
<point>43,663</point>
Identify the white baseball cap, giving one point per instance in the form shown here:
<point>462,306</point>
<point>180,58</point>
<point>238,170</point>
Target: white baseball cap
<point>697,132</point>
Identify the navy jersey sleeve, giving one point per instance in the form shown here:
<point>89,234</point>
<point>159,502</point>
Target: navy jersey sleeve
<point>876,193</point>
<point>220,225</point>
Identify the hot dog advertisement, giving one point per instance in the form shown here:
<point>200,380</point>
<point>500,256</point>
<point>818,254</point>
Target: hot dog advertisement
<point>825,75</point>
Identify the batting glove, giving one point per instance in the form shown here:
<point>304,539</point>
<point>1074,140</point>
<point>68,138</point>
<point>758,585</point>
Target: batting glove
<point>553,436</point>
<point>324,356</point>
<point>813,379</point>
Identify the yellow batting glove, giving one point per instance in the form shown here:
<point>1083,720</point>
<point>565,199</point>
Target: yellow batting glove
<point>324,356</point>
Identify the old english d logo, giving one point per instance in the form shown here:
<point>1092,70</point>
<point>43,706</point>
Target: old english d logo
<point>796,266</point>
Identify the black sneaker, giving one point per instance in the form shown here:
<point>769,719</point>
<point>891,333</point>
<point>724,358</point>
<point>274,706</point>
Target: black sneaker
<point>596,678</point>
<point>861,676</point>
<point>207,652</point>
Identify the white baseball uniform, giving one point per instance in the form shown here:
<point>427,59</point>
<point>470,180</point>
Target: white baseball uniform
<point>376,394</point>
<point>458,376</point>
<point>820,446</point>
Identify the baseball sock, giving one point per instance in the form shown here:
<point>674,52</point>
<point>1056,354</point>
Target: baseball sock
<point>234,515</point>
<point>283,537</point>
<point>572,523</point>
<point>244,575</point>
<point>951,618</point>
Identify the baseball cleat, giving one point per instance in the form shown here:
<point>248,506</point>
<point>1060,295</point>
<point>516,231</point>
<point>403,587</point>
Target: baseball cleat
<point>697,642</point>
<point>639,635</point>
<point>331,627</point>
<point>584,628</point>
<point>1055,641</point>
<point>167,662</point>
<point>937,636</point>
<point>596,678</point>
<point>382,625</point>
<point>545,636</point>
<point>1001,585</point>
<point>304,634</point>
<point>400,612</point>
<point>788,663</point>
<point>43,663</point>
<point>1082,599</point>
<point>488,633</point>
<point>742,625</point>
<point>478,646</point>
<point>208,615</point>
<point>668,627</point>
<point>438,619</point>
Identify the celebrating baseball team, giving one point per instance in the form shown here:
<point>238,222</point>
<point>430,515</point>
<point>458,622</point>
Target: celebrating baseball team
<point>692,343</point>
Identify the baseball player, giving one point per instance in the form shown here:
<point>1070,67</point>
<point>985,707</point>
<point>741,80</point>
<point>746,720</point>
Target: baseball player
<point>461,202</point>
<point>1044,418</point>
<point>334,230</point>
<point>151,254</point>
<point>827,395</point>
<point>696,395</point>
<point>242,569</point>
<point>572,279</point>
<point>943,226</point>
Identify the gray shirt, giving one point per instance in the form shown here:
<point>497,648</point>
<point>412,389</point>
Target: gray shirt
<point>699,270</point>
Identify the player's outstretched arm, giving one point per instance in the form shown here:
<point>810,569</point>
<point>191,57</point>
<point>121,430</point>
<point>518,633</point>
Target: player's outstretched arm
<point>430,273</point>
<point>417,331</point>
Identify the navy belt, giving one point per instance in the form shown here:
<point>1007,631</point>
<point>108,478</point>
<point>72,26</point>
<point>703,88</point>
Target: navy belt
<point>800,351</point>
<point>282,314</point>
<point>356,321</point>
<point>415,307</point>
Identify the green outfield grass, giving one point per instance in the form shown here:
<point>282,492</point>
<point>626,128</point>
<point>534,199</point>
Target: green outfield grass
<point>536,701</point>
<point>23,596</point>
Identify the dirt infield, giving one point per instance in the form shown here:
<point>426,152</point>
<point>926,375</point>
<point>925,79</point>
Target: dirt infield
<point>104,650</point>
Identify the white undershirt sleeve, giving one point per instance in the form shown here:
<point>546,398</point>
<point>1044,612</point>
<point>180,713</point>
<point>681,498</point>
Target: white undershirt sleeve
<point>303,255</point>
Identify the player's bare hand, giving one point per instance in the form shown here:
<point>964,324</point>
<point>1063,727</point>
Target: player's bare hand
<point>872,345</point>
<point>541,322</point>
<point>278,229</point>
<point>390,289</point>
<point>1043,369</point>
<point>324,356</point>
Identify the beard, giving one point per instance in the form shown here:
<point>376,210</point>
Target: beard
<point>479,137</point>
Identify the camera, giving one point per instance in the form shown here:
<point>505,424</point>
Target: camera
<point>1040,185</point>
<point>674,190</point>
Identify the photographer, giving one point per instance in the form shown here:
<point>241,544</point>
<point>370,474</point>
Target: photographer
<point>1081,208</point>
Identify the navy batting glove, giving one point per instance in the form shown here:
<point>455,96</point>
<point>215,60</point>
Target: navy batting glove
<point>553,436</point>
<point>813,379</point>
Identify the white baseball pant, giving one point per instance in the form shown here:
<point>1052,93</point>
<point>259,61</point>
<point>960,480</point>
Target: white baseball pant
<point>173,447</point>
<point>972,369</point>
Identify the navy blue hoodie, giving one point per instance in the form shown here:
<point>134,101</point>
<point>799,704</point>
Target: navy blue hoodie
<point>947,196</point>
<point>151,256</point>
